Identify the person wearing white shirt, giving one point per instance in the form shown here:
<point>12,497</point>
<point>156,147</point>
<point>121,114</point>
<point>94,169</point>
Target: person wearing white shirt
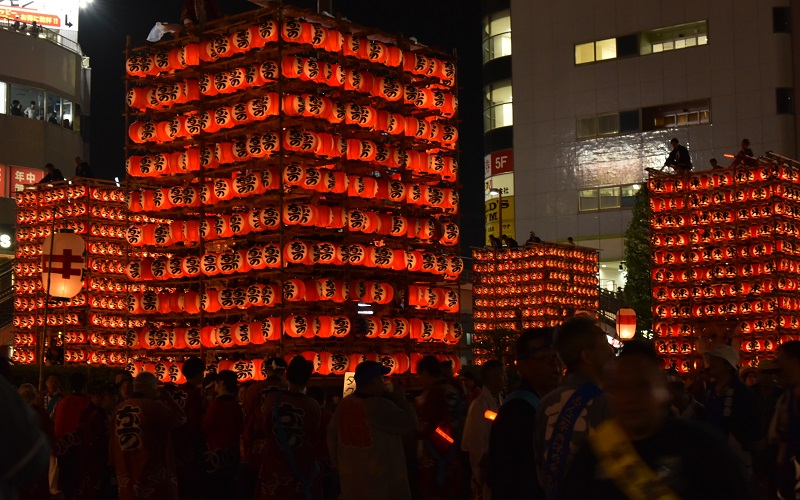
<point>30,111</point>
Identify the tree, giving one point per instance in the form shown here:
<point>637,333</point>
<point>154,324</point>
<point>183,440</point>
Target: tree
<point>638,293</point>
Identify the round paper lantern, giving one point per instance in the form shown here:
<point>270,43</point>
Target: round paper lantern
<point>297,252</point>
<point>294,290</point>
<point>298,326</point>
<point>340,326</point>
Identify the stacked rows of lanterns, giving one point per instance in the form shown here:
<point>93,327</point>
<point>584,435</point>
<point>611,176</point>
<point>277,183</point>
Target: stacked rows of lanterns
<point>532,287</point>
<point>70,238</point>
<point>309,201</point>
<point>725,261</point>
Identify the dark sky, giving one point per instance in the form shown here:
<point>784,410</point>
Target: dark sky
<point>445,24</point>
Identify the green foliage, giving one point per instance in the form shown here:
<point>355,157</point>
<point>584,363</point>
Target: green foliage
<point>637,291</point>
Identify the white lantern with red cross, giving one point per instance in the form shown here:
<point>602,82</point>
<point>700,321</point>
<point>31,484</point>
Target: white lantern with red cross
<point>62,264</point>
<point>626,323</point>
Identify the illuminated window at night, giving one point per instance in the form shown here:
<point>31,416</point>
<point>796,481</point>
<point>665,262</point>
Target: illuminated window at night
<point>497,105</point>
<point>683,36</point>
<point>596,51</point>
<point>588,200</point>
<point>497,35</point>
<point>607,124</point>
<point>685,114</point>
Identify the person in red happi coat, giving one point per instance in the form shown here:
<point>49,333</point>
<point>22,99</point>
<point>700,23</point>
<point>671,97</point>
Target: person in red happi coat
<point>141,442</point>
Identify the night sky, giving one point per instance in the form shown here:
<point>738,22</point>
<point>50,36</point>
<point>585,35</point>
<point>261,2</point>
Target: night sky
<point>444,24</point>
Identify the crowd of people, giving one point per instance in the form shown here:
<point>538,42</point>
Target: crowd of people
<point>582,422</point>
<point>505,242</point>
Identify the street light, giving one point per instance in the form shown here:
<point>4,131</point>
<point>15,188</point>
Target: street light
<point>499,194</point>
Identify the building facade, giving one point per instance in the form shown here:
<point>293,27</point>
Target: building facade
<point>600,88</point>
<point>44,101</point>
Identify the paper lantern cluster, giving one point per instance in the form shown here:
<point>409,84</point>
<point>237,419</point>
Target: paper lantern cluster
<point>97,211</point>
<point>725,252</point>
<point>306,193</point>
<point>532,287</point>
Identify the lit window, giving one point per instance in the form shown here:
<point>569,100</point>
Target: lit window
<point>606,49</point>
<point>609,197</point>
<point>588,200</point>
<point>608,124</point>
<point>683,114</point>
<point>628,195</point>
<point>497,106</point>
<point>584,53</point>
<point>673,38</point>
<point>3,108</point>
<point>497,35</point>
<point>587,127</point>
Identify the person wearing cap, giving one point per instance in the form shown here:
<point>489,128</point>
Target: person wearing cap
<point>188,440</point>
<point>273,370</point>
<point>478,425</point>
<point>731,406</point>
<point>511,455</point>
<point>641,453</point>
<point>289,468</point>
<point>365,437</point>
<point>679,159</point>
<point>141,441</point>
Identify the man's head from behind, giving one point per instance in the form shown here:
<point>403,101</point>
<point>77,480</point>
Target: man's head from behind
<point>675,142</point>
<point>537,360</point>
<point>299,371</point>
<point>50,168</point>
<point>583,346</point>
<point>429,371</point>
<point>193,369</point>
<point>146,384</point>
<point>53,383</point>
<point>789,360</point>
<point>77,382</point>
<point>637,389</point>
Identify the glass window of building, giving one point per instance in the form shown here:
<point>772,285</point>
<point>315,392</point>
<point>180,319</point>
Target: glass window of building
<point>584,53</point>
<point>605,49</point>
<point>608,124</point>
<point>32,100</point>
<point>678,37</point>
<point>3,103</point>
<point>628,195</point>
<point>683,114</point>
<point>586,127</point>
<point>497,35</point>
<point>588,200</point>
<point>609,197</point>
<point>497,105</point>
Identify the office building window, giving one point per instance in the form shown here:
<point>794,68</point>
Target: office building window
<point>33,103</point>
<point>784,101</point>
<point>781,22</point>
<point>607,198</point>
<point>628,195</point>
<point>497,35</point>
<point>678,37</point>
<point>596,51</point>
<point>606,124</point>
<point>588,200</point>
<point>684,114</point>
<point>497,105</point>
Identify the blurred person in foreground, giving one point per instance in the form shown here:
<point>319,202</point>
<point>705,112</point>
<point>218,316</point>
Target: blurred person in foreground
<point>567,415</point>
<point>188,440</point>
<point>26,450</point>
<point>39,489</point>
<point>786,424</point>
<point>94,474</point>
<point>441,412</point>
<point>223,425</point>
<point>365,437</point>
<point>511,454</point>
<point>478,425</point>
<point>641,453</point>
<point>731,406</point>
<point>66,423</point>
<point>289,468</point>
<point>141,442</point>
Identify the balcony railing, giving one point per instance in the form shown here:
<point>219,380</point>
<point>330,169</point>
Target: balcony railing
<point>16,26</point>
